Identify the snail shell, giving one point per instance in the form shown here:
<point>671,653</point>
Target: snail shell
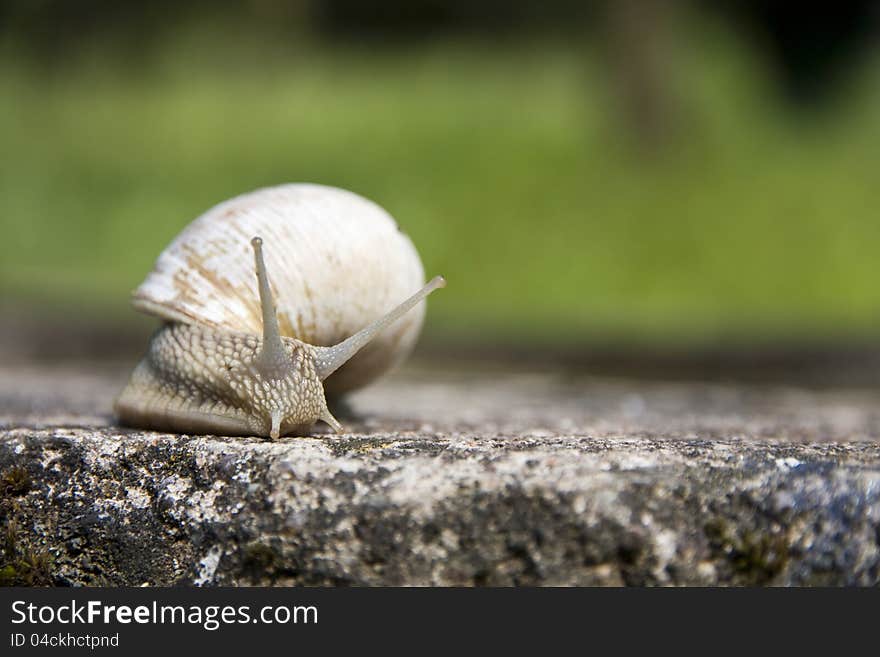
<point>336,262</point>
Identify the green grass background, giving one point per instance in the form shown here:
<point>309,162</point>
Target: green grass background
<point>507,164</point>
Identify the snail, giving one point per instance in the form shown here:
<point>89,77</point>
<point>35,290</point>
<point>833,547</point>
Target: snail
<point>227,360</point>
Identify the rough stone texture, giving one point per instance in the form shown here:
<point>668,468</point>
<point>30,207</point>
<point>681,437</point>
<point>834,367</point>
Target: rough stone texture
<point>493,478</point>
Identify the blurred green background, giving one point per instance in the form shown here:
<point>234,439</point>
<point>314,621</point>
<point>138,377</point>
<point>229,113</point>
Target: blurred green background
<point>665,173</point>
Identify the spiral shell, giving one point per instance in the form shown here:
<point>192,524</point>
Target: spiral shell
<point>337,262</point>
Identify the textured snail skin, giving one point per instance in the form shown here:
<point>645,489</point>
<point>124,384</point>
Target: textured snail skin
<point>198,380</point>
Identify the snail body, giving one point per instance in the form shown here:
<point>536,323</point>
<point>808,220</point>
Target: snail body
<point>226,360</point>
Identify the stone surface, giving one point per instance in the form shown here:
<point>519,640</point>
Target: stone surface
<point>491,477</point>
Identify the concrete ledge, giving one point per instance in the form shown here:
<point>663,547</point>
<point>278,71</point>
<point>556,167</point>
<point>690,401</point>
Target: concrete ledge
<point>503,479</point>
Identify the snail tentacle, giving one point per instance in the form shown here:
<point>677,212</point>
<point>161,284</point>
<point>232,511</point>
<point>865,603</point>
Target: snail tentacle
<point>330,359</point>
<point>272,360</point>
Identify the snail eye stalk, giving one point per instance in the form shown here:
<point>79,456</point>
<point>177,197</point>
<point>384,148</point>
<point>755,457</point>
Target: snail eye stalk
<point>272,357</point>
<point>330,359</point>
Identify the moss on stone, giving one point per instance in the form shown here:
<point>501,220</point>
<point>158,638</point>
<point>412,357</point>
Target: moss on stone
<point>756,557</point>
<point>15,481</point>
<point>20,564</point>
